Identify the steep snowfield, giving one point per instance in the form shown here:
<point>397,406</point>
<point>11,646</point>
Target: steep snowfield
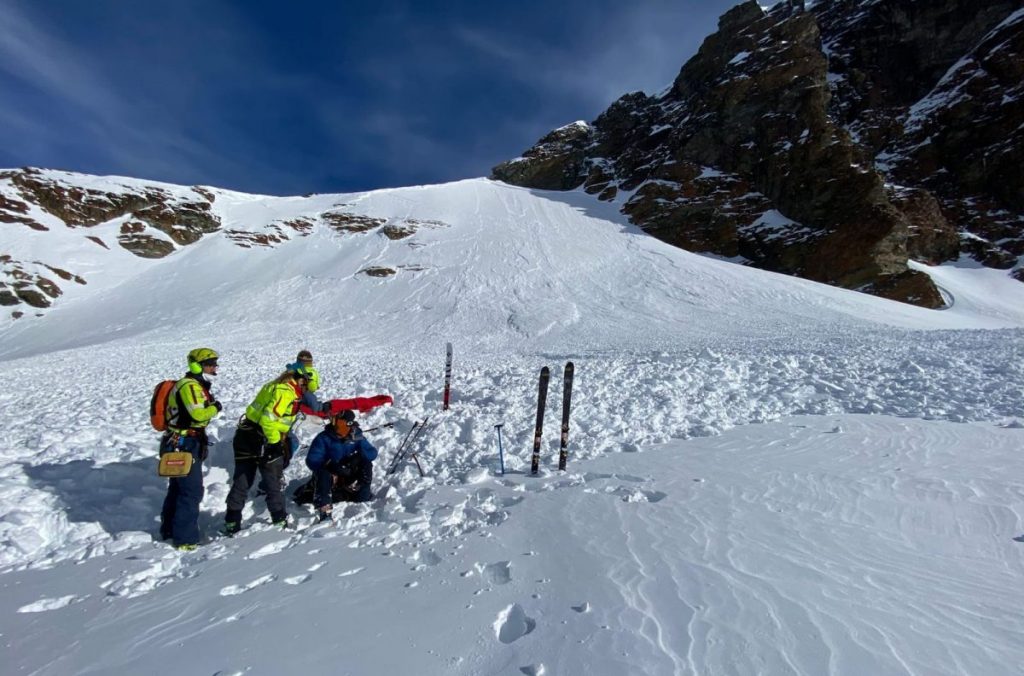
<point>504,267</point>
<point>684,538</point>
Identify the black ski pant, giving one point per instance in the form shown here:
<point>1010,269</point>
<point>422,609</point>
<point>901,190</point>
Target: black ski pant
<point>348,482</point>
<point>250,456</point>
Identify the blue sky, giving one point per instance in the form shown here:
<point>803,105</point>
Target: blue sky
<point>290,98</point>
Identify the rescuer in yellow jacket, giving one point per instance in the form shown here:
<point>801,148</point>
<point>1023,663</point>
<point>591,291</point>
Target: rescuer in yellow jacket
<point>305,357</point>
<point>191,407</point>
<point>308,398</point>
<point>260,443</point>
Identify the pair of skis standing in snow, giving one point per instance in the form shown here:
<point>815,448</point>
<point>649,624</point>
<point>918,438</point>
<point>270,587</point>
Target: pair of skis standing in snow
<point>542,397</point>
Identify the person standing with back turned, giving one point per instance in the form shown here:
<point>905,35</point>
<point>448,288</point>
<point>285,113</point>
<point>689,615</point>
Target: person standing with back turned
<point>260,443</point>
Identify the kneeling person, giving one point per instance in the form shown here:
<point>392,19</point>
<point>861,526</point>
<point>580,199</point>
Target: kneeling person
<point>341,454</point>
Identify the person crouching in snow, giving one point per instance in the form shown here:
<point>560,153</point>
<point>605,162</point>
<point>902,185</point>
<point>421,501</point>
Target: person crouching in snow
<point>341,454</point>
<point>260,443</point>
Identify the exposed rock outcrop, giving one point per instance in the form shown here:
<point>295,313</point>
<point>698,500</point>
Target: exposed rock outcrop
<point>153,222</point>
<point>765,145</point>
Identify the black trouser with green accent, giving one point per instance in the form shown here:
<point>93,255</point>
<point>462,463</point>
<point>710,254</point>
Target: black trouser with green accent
<point>250,455</point>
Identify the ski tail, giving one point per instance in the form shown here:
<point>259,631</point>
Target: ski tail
<point>447,375</point>
<point>542,397</point>
<point>563,446</point>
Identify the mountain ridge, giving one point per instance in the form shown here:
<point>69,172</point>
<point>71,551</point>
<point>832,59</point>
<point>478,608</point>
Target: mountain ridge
<point>800,113</point>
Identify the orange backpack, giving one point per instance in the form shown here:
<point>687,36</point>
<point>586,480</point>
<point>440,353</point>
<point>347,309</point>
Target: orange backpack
<point>160,405</point>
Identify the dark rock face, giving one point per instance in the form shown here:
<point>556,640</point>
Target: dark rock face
<point>931,237</point>
<point>554,163</point>
<point>964,142</point>
<point>344,222</point>
<point>765,145</point>
<point>78,207</point>
<point>156,222</point>
<point>378,271</point>
<point>151,221</point>
<point>25,283</point>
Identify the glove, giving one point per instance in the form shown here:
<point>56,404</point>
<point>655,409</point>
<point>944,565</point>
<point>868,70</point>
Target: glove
<point>346,467</point>
<point>217,405</point>
<point>274,451</point>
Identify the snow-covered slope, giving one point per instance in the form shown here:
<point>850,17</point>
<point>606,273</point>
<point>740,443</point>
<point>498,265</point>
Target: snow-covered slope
<point>500,265</point>
<point>684,538</point>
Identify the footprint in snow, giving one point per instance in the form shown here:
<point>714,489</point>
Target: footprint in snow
<point>513,623</point>
<point>354,571</point>
<point>423,558</point>
<point>496,573</point>
<point>234,589</point>
<point>43,605</point>
<point>272,548</point>
<point>636,495</point>
<point>594,476</point>
<point>534,670</point>
<point>584,608</point>
<point>159,573</point>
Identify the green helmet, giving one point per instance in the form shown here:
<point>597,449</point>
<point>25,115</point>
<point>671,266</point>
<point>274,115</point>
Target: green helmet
<point>199,355</point>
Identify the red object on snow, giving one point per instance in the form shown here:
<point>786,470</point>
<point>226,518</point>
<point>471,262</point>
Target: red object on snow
<point>361,404</point>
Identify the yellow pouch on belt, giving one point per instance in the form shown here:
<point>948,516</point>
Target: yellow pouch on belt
<point>175,463</point>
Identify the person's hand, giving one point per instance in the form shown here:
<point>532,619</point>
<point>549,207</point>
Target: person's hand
<point>217,405</point>
<point>275,450</point>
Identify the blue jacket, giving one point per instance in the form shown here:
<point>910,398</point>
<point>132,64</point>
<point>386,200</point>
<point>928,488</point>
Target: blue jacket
<point>329,446</point>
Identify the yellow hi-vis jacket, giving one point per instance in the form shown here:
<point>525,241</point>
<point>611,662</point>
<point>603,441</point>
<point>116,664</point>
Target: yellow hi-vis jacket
<point>314,379</point>
<point>190,405</point>
<point>274,409</point>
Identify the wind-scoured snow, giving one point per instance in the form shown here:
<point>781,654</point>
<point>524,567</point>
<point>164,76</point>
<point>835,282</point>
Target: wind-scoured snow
<point>766,475</point>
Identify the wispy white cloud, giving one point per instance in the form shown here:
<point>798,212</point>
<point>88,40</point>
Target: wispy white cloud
<point>39,60</point>
<point>130,126</point>
<point>409,96</point>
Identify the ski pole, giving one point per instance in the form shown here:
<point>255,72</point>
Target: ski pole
<point>379,427</point>
<point>501,453</point>
<point>394,461</point>
<point>409,449</point>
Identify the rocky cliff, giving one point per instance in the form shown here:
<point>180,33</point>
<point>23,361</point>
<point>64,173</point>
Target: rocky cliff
<point>832,141</point>
<point>63,230</point>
